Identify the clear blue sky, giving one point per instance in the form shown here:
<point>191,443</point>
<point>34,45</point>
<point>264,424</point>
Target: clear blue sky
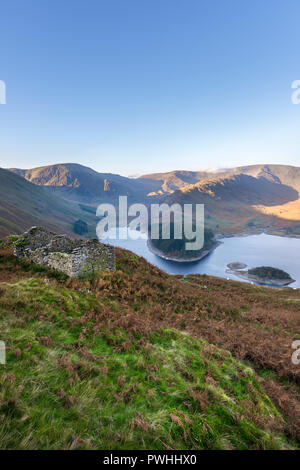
<point>136,86</point>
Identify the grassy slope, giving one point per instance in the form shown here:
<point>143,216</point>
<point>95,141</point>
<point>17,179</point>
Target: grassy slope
<point>94,364</point>
<point>23,204</point>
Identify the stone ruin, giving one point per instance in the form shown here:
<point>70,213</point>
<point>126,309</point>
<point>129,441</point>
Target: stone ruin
<point>72,257</point>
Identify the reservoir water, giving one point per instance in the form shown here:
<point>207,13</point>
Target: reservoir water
<point>253,250</point>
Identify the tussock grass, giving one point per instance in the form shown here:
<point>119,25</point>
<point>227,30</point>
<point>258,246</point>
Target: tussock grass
<point>126,360</point>
<point>75,381</point>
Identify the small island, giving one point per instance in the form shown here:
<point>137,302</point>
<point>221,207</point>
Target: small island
<point>236,266</point>
<point>174,249</point>
<point>264,275</point>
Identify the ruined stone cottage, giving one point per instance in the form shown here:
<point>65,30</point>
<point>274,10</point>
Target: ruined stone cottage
<point>73,257</point>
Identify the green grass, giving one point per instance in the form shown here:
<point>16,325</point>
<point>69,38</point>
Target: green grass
<point>23,204</point>
<point>70,383</point>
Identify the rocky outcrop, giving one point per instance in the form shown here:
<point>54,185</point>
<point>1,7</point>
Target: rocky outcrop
<point>73,257</point>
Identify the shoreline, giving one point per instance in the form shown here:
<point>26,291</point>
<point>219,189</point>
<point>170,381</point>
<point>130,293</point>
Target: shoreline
<point>260,281</point>
<point>217,242</point>
<point>159,253</point>
<point>258,232</point>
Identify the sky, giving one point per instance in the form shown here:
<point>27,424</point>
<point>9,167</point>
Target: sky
<point>142,86</point>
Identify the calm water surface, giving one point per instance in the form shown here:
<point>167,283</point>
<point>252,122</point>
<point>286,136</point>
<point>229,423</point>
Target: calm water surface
<point>254,250</point>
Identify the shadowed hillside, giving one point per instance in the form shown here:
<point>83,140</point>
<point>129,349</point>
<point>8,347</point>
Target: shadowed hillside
<point>232,202</point>
<point>242,188</point>
<point>284,174</point>
<point>23,204</point>
<point>272,211</point>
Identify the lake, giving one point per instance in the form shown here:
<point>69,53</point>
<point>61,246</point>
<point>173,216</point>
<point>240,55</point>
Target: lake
<point>253,250</point>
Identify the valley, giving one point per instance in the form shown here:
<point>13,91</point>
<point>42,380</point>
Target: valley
<point>248,199</point>
<point>149,231</point>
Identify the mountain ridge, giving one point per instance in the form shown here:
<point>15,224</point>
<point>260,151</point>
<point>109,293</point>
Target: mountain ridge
<point>287,174</point>
<point>72,180</point>
<point>73,175</point>
<point>259,195</point>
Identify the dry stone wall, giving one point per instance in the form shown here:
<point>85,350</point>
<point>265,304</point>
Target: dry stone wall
<point>73,257</point>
